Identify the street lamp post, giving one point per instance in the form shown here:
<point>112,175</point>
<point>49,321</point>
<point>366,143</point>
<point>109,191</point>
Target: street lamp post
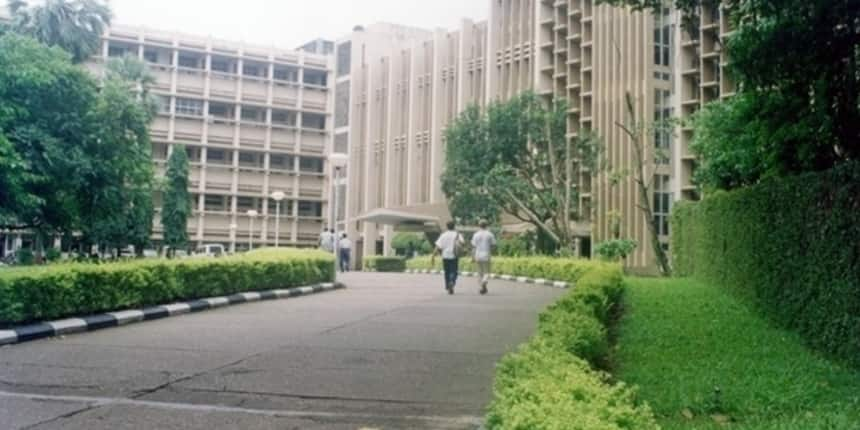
<point>277,196</point>
<point>233,228</point>
<point>251,215</point>
<point>338,161</point>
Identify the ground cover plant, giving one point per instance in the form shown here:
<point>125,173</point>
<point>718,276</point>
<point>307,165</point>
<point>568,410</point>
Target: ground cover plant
<point>703,359</point>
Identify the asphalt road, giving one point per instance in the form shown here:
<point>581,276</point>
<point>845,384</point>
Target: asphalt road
<point>391,351</point>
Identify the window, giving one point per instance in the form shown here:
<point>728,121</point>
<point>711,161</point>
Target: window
<point>189,61</point>
<point>118,50</point>
<point>662,203</point>
<point>252,114</point>
<point>253,70</point>
<point>311,165</point>
<point>244,204</point>
<point>284,117</point>
<point>216,156</point>
<point>310,209</point>
<point>281,162</point>
<point>662,130</point>
<point>216,203</point>
<point>248,159</point>
<point>315,77</point>
<point>150,56</point>
<point>344,58</point>
<point>219,110</point>
<point>663,38</point>
<point>221,65</point>
<point>290,74</point>
<point>314,121</point>
<point>189,107</point>
<point>162,103</point>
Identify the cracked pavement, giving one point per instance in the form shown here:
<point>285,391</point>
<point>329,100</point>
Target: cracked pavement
<point>392,351</point>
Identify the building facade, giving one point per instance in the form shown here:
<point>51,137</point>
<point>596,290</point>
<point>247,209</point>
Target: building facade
<point>253,120</point>
<point>398,88</point>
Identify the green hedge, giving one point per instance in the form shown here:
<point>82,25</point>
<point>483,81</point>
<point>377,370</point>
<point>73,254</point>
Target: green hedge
<point>384,264</point>
<point>555,269</point>
<point>57,291</point>
<point>791,246</point>
<point>552,381</point>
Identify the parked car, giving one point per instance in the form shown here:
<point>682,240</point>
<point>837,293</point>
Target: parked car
<point>150,253</point>
<point>210,250</point>
<point>179,253</point>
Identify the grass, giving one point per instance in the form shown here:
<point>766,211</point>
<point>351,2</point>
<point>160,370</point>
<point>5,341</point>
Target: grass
<point>703,360</point>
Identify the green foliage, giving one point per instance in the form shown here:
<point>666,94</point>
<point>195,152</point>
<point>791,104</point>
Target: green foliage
<point>515,158</point>
<point>517,246</point>
<point>558,269</point>
<point>177,200</point>
<point>24,257</point>
<point>56,119</point>
<point>57,291</point>
<point>615,249</point>
<point>789,246</point>
<point>693,349</point>
<point>384,264</point>
<point>798,61</point>
<point>406,243</point>
<point>551,381</point>
<point>52,254</point>
<point>75,26</point>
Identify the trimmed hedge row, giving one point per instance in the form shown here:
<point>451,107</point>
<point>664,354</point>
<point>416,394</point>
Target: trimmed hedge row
<point>384,264</point>
<point>791,246</point>
<point>51,292</point>
<point>552,381</point>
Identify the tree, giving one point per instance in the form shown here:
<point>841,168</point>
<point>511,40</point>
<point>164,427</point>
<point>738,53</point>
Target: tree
<point>76,154</point>
<point>75,26</point>
<point>516,158</point>
<point>177,201</point>
<point>800,57</point>
<point>636,132</point>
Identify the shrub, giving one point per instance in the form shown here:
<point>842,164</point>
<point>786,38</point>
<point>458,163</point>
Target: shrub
<point>53,254</point>
<point>24,257</point>
<point>406,244</point>
<point>384,264</point>
<point>615,249</point>
<point>62,290</point>
<point>787,245</point>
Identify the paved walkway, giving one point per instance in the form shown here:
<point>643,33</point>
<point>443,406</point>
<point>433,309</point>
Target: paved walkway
<point>390,352</point>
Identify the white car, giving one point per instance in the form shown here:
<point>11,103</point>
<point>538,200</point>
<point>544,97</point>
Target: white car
<point>211,250</point>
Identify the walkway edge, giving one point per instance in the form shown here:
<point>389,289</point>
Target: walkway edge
<point>520,279</point>
<point>115,319</point>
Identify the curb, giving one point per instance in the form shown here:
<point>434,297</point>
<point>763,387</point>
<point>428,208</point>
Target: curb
<point>520,279</point>
<point>115,319</point>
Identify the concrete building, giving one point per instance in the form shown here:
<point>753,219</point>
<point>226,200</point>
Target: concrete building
<point>397,89</point>
<point>254,120</point>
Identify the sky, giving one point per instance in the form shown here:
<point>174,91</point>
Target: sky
<point>290,23</point>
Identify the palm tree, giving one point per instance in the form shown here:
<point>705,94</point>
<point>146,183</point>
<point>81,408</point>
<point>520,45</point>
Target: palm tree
<point>73,25</point>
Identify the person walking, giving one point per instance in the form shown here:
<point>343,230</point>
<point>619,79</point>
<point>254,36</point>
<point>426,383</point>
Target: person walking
<point>483,242</point>
<point>327,240</point>
<point>449,245</point>
<point>345,246</point>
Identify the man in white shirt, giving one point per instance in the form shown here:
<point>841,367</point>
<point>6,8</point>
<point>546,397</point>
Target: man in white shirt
<point>345,246</point>
<point>448,245</point>
<point>327,240</point>
<point>483,242</point>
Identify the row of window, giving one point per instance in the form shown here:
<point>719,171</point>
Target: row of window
<point>662,127</point>
<point>190,60</point>
<point>662,203</point>
<point>219,203</point>
<point>663,38</point>
<point>246,159</point>
<point>226,111</point>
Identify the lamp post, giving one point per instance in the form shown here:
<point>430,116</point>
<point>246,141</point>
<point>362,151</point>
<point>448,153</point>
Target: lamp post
<point>338,162</point>
<point>251,215</point>
<point>277,196</point>
<point>233,228</point>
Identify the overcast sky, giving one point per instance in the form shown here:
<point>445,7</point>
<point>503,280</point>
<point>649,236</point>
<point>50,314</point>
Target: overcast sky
<point>290,23</point>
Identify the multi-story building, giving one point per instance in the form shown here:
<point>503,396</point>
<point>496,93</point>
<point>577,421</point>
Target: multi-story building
<point>398,88</point>
<point>253,120</point>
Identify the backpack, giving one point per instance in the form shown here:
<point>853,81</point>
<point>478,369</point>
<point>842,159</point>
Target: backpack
<point>460,250</point>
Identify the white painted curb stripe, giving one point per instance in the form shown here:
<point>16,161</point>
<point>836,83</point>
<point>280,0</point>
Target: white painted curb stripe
<point>8,336</point>
<point>251,297</point>
<point>68,326</point>
<point>559,284</point>
<point>306,290</point>
<point>216,302</point>
<point>177,308</point>
<point>127,317</point>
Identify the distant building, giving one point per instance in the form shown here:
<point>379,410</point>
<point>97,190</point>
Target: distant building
<point>318,46</point>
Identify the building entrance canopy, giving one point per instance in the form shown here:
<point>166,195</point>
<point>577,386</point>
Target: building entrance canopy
<point>402,221</point>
